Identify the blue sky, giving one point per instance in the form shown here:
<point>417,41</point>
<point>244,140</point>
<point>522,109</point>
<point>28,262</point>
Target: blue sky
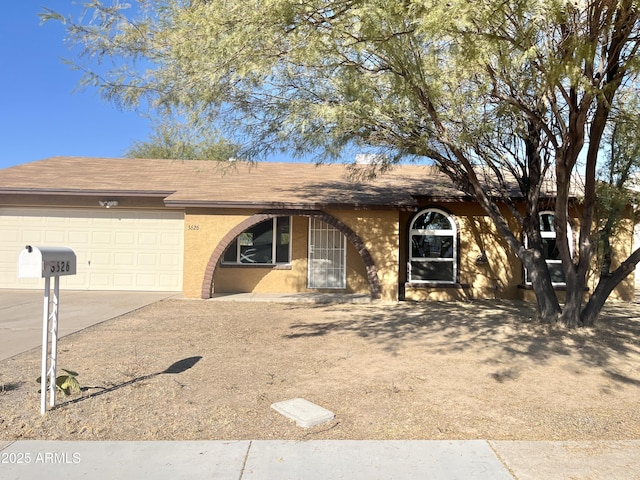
<point>41,116</point>
<point>42,113</point>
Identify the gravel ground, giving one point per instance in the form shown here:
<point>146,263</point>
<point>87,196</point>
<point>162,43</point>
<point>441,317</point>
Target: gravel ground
<point>189,369</point>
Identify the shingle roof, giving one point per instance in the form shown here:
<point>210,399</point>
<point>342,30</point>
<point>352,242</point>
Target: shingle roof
<point>238,184</point>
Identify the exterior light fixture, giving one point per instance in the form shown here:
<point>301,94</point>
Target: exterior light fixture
<point>482,259</point>
<point>108,203</point>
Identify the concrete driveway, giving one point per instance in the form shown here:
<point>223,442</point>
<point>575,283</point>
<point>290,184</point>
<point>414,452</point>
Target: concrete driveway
<point>21,313</point>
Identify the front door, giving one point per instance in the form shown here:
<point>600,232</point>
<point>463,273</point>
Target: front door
<point>327,256</point>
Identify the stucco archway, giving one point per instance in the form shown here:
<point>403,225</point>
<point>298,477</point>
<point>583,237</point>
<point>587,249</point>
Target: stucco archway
<point>353,237</point>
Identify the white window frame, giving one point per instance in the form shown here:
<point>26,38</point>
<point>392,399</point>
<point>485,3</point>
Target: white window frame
<point>453,232</point>
<point>321,276</point>
<point>550,235</point>
<point>274,233</point>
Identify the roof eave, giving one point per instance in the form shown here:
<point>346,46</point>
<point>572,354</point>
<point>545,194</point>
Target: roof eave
<point>286,205</point>
<point>85,192</point>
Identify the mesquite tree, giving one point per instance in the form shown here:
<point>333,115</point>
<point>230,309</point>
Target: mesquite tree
<point>501,95</point>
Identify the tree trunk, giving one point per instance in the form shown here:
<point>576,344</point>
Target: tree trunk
<point>574,299</point>
<point>548,305</point>
<point>591,312</point>
<point>607,283</point>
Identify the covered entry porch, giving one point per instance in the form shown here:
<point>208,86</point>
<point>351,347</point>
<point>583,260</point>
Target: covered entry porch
<point>317,256</point>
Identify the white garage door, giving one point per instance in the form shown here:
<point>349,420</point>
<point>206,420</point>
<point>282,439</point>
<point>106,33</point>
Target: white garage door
<point>116,249</point>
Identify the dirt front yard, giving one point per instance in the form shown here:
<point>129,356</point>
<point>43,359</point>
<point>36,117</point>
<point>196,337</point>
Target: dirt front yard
<point>185,369</point>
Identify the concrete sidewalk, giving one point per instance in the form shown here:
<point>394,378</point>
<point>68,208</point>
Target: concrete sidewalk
<point>21,313</point>
<point>321,460</point>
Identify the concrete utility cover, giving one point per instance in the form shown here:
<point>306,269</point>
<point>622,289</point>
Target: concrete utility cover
<point>305,413</point>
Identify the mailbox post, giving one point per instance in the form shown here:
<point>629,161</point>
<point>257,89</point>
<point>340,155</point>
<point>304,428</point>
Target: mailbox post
<point>47,262</point>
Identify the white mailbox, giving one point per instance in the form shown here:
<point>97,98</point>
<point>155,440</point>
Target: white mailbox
<point>47,262</point>
<point>43,262</point>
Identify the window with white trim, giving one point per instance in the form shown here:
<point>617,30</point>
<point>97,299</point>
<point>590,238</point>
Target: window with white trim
<point>433,245</point>
<point>267,243</point>
<point>550,248</point>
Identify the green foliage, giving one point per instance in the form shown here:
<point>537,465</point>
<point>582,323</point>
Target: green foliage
<point>617,192</point>
<point>421,77</point>
<point>67,384</point>
<point>178,141</point>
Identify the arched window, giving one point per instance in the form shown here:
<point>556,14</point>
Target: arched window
<point>550,248</point>
<point>433,246</point>
<point>267,243</point>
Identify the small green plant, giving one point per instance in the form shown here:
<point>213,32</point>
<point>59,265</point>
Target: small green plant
<point>67,384</point>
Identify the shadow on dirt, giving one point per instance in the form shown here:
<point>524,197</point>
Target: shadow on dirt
<point>9,387</point>
<point>175,368</point>
<point>455,327</point>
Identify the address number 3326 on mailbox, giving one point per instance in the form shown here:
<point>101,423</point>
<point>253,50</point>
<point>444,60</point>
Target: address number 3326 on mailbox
<point>42,262</point>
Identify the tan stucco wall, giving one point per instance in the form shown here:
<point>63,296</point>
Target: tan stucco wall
<point>204,229</point>
<point>293,278</point>
<point>622,245</point>
<point>498,277</point>
<point>385,234</point>
<point>502,275</point>
<point>379,230</point>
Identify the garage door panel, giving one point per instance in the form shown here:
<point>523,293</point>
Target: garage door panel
<point>75,222</point>
<point>168,282</point>
<point>115,249</point>
<point>51,220</point>
<point>78,237</point>
<point>100,259</point>
<point>31,236</point>
<point>146,280</point>
<point>125,220</point>
<point>147,259</point>
<point>170,260</point>
<point>75,282</point>
<point>126,260</point>
<point>54,237</point>
<point>103,238</point>
<point>100,281</point>
<point>27,283</point>
<point>10,234</point>
<point>125,279</point>
<point>148,238</point>
<point>125,239</point>
<point>171,239</point>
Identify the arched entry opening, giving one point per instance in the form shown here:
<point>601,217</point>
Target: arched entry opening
<point>352,237</point>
